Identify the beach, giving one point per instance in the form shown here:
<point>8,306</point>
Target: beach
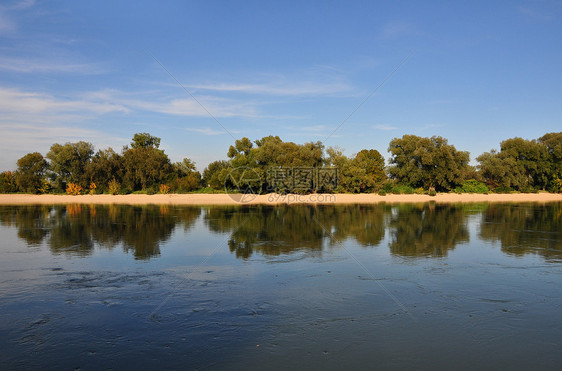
<point>272,199</point>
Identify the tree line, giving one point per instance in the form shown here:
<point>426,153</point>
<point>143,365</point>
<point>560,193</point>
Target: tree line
<point>417,165</point>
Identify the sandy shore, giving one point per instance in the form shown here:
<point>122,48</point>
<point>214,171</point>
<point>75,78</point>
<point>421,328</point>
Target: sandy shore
<point>271,199</point>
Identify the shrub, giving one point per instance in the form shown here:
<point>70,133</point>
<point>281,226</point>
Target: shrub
<point>402,189</point>
<point>387,187</point>
<point>503,190</point>
<point>432,193</point>
<point>472,186</point>
<point>382,192</point>
<point>114,187</point>
<point>73,189</point>
<point>93,187</point>
<point>125,190</point>
<point>164,189</point>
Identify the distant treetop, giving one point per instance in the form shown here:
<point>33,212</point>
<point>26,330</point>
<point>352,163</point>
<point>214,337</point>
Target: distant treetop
<point>145,140</point>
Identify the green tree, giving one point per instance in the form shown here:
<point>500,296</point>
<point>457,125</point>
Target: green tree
<point>105,166</point>
<point>269,152</point>
<point>364,173</point>
<point>187,178</point>
<point>145,166</point>
<point>531,159</point>
<point>69,163</point>
<point>520,165</point>
<point>499,172</point>
<point>30,173</point>
<point>212,174</point>
<point>240,148</point>
<point>145,140</point>
<point>8,182</point>
<point>427,162</point>
<point>335,157</point>
<point>553,143</point>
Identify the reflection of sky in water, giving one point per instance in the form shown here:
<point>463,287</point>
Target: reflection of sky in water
<point>470,305</point>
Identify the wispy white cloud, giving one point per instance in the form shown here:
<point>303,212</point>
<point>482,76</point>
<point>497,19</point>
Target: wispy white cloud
<point>316,80</point>
<point>19,139</point>
<point>209,131</point>
<point>218,107</point>
<point>28,104</point>
<point>34,65</point>
<point>297,88</point>
<point>32,121</point>
<point>385,127</point>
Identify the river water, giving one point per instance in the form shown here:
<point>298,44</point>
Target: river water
<point>305,287</point>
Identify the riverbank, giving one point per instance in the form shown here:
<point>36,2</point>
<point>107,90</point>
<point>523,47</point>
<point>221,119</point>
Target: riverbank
<point>272,199</point>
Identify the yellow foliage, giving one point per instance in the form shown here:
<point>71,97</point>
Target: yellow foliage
<point>73,189</point>
<point>93,187</point>
<point>46,186</point>
<point>164,189</point>
<point>114,187</point>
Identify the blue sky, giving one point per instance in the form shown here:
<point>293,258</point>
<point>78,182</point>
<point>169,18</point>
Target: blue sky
<point>476,73</point>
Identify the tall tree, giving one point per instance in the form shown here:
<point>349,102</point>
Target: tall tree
<point>531,157</point>
<point>364,173</point>
<point>186,178</point>
<point>521,165</point>
<point>105,166</point>
<point>145,140</point>
<point>69,162</point>
<point>30,173</point>
<point>145,166</point>
<point>500,172</point>
<point>553,143</point>
<point>427,162</point>
<point>212,174</point>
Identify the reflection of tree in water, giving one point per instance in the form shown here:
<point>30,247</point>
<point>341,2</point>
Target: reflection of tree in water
<point>32,221</point>
<point>525,229</point>
<point>427,229</point>
<point>364,223</point>
<point>75,229</point>
<point>284,229</point>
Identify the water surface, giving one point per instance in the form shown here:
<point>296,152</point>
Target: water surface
<point>409,286</point>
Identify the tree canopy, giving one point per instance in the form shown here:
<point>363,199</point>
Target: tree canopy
<point>68,163</point>
<point>524,165</point>
<point>31,169</point>
<point>427,162</point>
